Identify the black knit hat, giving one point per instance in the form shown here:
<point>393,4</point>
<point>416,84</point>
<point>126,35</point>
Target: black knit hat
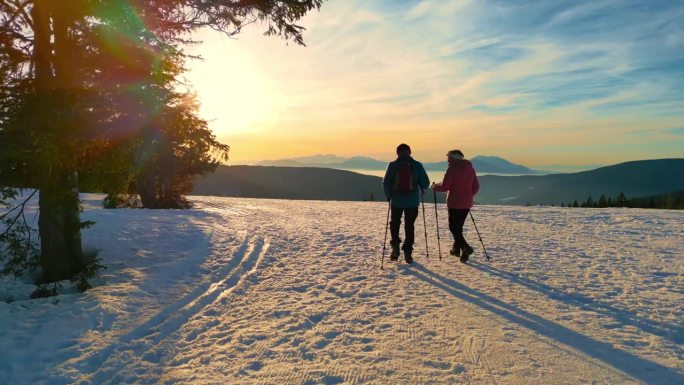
<point>403,147</point>
<point>456,154</point>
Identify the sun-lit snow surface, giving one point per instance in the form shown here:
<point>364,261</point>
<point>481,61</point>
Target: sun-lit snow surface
<point>247,291</point>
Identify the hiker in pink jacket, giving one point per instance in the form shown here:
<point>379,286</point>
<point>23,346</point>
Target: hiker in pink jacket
<point>460,183</point>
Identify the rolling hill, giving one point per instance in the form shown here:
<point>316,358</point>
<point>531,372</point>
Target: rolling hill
<point>289,183</point>
<point>634,179</point>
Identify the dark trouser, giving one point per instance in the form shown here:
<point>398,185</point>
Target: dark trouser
<point>410,216</point>
<point>457,219</point>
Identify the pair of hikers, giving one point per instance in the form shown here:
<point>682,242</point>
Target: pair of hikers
<point>403,179</point>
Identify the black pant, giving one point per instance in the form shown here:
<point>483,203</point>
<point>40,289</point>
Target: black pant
<point>410,216</point>
<point>457,219</point>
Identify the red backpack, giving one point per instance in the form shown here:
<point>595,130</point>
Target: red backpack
<point>403,177</point>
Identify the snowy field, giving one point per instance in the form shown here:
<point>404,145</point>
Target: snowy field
<point>248,291</point>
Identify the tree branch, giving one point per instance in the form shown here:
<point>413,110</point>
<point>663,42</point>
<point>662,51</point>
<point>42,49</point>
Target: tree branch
<point>20,213</point>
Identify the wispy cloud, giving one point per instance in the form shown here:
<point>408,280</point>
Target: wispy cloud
<point>547,72</point>
<point>676,131</point>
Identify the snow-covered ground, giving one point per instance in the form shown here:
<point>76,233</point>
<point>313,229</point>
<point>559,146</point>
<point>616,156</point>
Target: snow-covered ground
<point>248,291</point>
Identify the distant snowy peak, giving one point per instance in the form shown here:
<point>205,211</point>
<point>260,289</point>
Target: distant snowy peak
<point>489,165</point>
<point>318,159</point>
<point>483,164</point>
<point>495,165</point>
<point>330,161</point>
<point>363,163</point>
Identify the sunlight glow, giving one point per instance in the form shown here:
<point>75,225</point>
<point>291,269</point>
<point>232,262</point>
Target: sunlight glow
<point>450,74</point>
<point>235,95</point>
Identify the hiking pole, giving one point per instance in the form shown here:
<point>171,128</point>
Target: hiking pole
<point>439,244</point>
<point>478,234</point>
<point>384,244</point>
<point>422,202</point>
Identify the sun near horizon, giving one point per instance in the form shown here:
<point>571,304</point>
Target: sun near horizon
<point>564,84</point>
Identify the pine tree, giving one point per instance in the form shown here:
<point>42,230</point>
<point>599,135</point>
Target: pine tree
<point>51,53</point>
<point>621,200</point>
<point>602,202</point>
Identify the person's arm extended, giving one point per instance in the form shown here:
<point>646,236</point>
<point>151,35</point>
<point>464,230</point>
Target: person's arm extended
<point>446,183</point>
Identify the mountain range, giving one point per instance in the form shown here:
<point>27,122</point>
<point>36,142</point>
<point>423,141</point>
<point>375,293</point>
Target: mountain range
<point>634,179</point>
<point>483,164</point>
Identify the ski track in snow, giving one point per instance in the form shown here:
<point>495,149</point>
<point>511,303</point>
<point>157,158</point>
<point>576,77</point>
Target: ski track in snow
<point>248,291</point>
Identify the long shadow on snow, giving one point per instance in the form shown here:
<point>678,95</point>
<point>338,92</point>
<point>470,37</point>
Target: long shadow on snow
<point>639,368</point>
<point>674,333</point>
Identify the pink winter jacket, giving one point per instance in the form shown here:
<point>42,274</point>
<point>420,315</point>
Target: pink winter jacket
<point>460,183</point>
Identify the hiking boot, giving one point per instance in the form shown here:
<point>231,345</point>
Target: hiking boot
<point>408,257</point>
<point>394,255</point>
<point>467,251</point>
<point>456,252</point>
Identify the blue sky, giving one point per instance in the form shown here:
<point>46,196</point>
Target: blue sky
<point>537,82</point>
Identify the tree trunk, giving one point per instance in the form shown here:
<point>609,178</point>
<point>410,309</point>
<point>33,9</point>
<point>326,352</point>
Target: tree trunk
<point>59,223</point>
<point>59,227</point>
<point>147,190</point>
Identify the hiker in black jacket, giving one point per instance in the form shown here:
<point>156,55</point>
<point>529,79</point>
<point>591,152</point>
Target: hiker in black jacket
<point>405,179</point>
